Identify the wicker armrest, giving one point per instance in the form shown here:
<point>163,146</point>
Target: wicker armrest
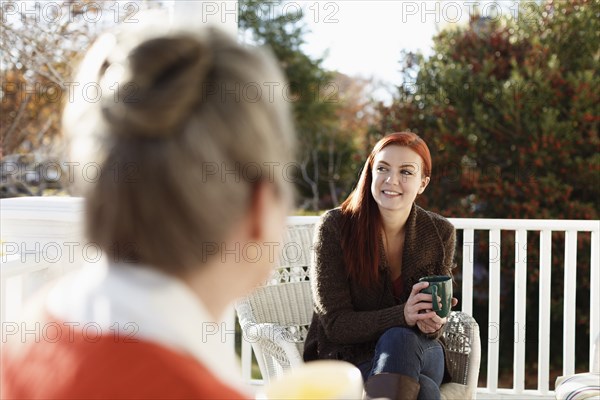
<point>275,346</point>
<point>276,341</point>
<point>463,350</point>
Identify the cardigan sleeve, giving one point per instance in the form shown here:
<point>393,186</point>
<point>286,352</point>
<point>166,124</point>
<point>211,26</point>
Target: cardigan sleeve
<point>332,296</point>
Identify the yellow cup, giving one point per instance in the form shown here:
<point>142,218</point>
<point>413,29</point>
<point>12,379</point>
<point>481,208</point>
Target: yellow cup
<point>323,380</point>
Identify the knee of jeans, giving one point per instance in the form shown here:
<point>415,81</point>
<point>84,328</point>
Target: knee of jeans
<point>400,338</point>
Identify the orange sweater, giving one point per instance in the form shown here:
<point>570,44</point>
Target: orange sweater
<point>81,365</point>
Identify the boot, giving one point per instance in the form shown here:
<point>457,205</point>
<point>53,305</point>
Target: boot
<point>392,387</point>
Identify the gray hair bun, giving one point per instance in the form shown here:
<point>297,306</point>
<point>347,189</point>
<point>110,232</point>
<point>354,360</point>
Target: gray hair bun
<point>161,82</point>
<point>173,148</point>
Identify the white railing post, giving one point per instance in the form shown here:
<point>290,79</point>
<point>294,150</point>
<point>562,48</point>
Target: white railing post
<point>544,311</point>
<point>228,330</point>
<point>467,271</point>
<point>594,289</point>
<point>495,255</point>
<point>569,302</point>
<point>520,310</point>
<point>246,360</point>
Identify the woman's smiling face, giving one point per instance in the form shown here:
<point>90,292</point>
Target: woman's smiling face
<point>397,178</point>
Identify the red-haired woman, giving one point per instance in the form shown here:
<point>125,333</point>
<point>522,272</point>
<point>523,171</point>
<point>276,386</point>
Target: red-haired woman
<point>370,253</point>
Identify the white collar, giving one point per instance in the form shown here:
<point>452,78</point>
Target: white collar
<point>146,304</point>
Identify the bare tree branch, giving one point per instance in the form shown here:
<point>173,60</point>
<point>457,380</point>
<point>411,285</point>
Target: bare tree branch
<point>15,122</point>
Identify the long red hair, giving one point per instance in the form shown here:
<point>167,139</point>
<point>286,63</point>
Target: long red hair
<point>362,220</point>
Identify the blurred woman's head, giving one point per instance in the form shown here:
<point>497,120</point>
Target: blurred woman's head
<point>183,145</point>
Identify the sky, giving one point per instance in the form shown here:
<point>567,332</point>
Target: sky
<point>365,38</point>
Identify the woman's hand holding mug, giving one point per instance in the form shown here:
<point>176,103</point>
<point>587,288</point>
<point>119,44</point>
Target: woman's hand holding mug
<point>418,310</point>
<point>418,307</point>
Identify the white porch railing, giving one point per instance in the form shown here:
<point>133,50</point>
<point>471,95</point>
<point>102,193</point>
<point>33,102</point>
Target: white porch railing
<point>571,229</point>
<point>21,275</point>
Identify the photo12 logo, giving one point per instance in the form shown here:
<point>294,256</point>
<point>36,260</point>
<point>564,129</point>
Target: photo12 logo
<point>52,332</point>
<point>53,253</point>
<point>289,11</point>
<point>456,11</point>
<point>53,12</point>
<point>93,92</point>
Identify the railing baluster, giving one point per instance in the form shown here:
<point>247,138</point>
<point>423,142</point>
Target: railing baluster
<point>594,291</point>
<point>520,310</point>
<point>12,296</point>
<point>494,310</point>
<point>467,271</point>
<point>228,330</point>
<point>246,360</point>
<point>3,305</point>
<point>544,311</point>
<point>569,302</point>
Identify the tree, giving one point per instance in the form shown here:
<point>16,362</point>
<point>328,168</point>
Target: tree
<point>511,112</point>
<point>40,44</point>
<point>324,153</point>
<point>355,114</point>
<point>36,60</point>
<point>511,109</point>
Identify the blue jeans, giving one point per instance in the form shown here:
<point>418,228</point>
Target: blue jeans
<point>403,351</point>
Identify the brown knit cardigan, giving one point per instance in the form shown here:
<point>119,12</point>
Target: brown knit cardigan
<point>348,319</point>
